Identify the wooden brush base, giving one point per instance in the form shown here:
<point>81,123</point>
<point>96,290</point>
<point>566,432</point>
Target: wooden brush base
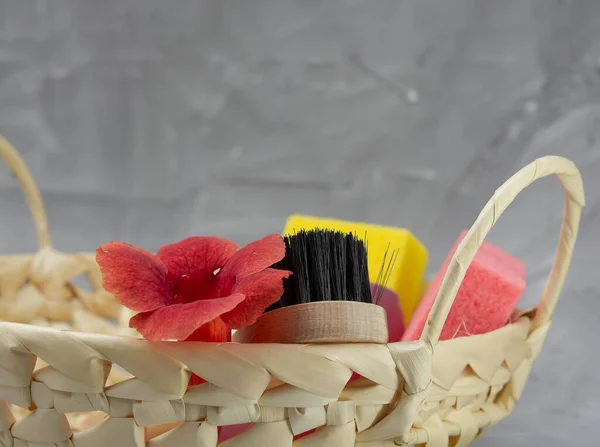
<point>319,322</point>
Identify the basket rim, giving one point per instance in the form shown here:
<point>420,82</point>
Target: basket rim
<point>8,327</point>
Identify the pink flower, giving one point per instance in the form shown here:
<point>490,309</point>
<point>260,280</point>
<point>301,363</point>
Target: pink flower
<point>196,289</point>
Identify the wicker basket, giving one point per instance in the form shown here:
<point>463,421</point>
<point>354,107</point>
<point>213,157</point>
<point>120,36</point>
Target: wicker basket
<point>412,393</point>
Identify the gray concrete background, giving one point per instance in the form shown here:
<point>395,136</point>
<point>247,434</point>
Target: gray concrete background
<point>148,121</point>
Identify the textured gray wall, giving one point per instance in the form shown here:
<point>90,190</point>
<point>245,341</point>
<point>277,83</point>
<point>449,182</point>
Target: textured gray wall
<point>148,121</point>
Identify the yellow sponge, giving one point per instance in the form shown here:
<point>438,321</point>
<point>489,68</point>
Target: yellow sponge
<point>406,279</point>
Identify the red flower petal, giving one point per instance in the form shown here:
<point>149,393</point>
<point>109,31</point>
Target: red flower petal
<point>137,278</point>
<point>191,264</point>
<point>261,290</point>
<point>179,321</point>
<point>215,330</point>
<point>251,259</point>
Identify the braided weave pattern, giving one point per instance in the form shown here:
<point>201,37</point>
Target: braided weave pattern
<point>40,289</point>
<point>406,395</point>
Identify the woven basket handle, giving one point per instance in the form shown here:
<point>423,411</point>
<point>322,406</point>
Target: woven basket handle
<point>570,179</point>
<point>11,157</point>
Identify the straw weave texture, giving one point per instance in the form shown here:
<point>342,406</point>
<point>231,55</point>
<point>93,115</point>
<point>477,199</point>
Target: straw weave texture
<point>70,388</point>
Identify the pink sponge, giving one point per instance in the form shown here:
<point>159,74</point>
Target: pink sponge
<point>489,293</point>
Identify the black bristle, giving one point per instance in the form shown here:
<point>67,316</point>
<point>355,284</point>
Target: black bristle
<point>384,273</point>
<point>338,269</point>
<point>360,287</point>
<point>320,267</point>
<point>326,265</point>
